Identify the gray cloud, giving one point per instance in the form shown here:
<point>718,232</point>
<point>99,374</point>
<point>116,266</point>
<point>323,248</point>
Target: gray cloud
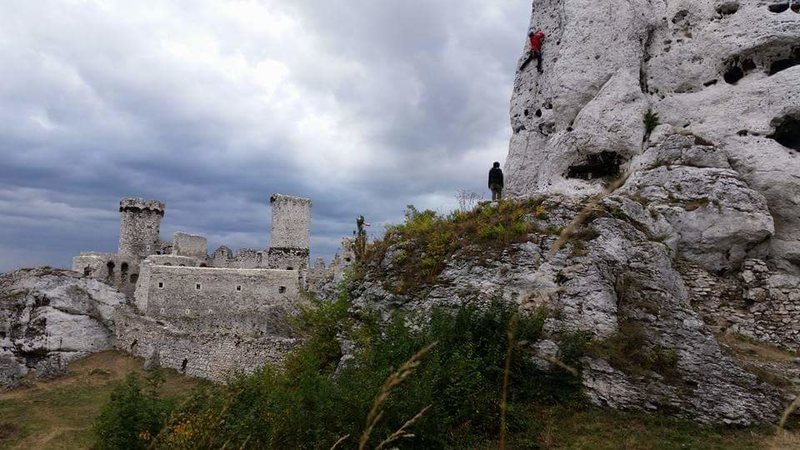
<point>364,106</point>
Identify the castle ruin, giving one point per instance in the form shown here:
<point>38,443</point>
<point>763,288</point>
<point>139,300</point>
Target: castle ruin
<point>207,315</point>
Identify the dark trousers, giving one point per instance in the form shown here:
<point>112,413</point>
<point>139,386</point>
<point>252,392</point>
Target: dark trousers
<point>497,192</point>
<point>538,56</point>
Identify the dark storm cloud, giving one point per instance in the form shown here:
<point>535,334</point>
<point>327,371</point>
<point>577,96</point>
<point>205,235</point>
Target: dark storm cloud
<point>364,106</point>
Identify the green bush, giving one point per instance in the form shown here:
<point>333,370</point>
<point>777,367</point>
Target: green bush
<point>134,415</point>
<point>304,405</point>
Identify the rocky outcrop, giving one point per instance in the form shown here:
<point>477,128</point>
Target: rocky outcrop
<point>49,317</point>
<point>725,71</point>
<point>614,282</point>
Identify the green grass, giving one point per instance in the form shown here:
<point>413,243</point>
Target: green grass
<point>429,240</point>
<point>59,414</point>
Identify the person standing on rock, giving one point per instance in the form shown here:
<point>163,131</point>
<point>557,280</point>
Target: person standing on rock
<point>496,181</point>
<point>536,48</point>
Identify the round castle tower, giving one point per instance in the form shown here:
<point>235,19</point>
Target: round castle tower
<point>140,222</point>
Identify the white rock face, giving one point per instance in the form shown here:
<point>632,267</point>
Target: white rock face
<point>49,317</point>
<point>725,71</point>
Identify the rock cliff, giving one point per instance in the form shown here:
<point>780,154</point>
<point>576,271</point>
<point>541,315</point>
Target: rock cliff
<point>725,71</point>
<point>49,317</point>
<point>662,140</point>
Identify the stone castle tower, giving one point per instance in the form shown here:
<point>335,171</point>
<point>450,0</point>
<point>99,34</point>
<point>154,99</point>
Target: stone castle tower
<point>290,235</point>
<point>139,227</point>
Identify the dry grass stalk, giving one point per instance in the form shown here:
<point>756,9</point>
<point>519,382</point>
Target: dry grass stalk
<point>401,432</point>
<point>788,412</point>
<point>341,439</point>
<point>586,212</point>
<point>561,364</point>
<point>512,331</point>
<point>394,380</point>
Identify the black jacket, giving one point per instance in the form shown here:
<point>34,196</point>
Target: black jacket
<point>495,177</point>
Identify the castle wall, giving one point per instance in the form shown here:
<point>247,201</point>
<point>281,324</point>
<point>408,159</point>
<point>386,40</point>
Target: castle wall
<point>757,304</point>
<point>191,293</point>
<point>198,352</point>
<point>122,273</point>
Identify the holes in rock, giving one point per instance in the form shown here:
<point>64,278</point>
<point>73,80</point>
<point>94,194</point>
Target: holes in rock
<point>133,344</point>
<point>238,288</point>
<point>184,364</point>
<point>525,113</point>
<point>680,16</point>
<point>728,8</point>
<point>538,113</point>
<point>742,133</point>
<point>124,268</point>
<point>783,64</point>
<point>281,289</point>
<point>787,131</point>
<point>600,165</point>
<point>748,65</point>
<point>733,74</point>
<point>134,277</point>
<point>203,265</point>
<point>778,7</point>
<point>710,83</point>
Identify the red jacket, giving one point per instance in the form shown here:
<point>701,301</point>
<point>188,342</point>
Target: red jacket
<point>536,41</point>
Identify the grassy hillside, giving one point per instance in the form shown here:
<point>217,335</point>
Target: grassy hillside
<point>59,414</point>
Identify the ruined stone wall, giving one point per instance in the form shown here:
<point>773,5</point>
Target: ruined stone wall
<point>122,273</point>
<point>140,222</point>
<point>190,293</point>
<point>184,244</point>
<point>756,303</point>
<point>205,353</point>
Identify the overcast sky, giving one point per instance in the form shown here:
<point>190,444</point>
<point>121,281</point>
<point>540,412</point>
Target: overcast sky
<point>209,105</point>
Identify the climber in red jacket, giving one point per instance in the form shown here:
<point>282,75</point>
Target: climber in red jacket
<point>536,48</point>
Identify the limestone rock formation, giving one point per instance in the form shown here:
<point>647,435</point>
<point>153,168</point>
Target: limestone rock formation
<point>49,317</point>
<point>725,71</point>
<point>613,281</point>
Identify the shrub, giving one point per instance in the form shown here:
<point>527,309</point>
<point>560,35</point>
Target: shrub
<point>304,405</point>
<point>651,121</point>
<point>134,415</point>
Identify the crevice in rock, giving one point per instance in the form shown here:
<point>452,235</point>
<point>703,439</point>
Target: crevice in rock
<point>772,59</point>
<point>783,64</point>
<point>787,131</point>
<point>597,166</point>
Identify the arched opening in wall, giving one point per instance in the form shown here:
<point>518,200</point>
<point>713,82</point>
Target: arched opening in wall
<point>599,165</point>
<point>787,131</point>
<point>110,268</point>
<point>123,272</point>
<point>134,277</point>
<point>87,271</point>
<point>184,364</point>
